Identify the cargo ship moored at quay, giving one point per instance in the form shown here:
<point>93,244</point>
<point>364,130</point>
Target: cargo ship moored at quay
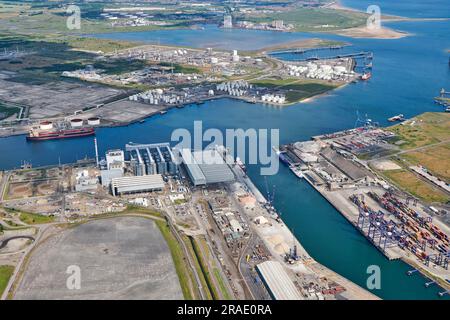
<point>46,131</point>
<point>60,134</point>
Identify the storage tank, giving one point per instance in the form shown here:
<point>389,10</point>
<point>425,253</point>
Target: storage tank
<point>76,123</point>
<point>94,121</point>
<point>46,125</point>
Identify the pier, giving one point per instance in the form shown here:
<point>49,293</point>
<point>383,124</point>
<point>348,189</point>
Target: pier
<point>303,50</point>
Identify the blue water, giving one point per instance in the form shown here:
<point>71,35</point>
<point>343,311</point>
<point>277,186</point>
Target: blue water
<point>407,74</point>
<point>210,37</point>
<point>405,8</point>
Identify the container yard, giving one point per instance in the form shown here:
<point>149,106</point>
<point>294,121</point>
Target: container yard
<point>398,225</point>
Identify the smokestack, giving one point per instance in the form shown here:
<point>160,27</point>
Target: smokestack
<point>96,152</point>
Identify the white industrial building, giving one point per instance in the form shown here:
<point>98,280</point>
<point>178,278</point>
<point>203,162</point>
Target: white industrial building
<point>206,167</point>
<point>137,184</point>
<point>320,71</point>
<point>115,159</point>
<point>277,281</point>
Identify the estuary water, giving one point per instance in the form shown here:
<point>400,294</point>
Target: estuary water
<point>407,74</point>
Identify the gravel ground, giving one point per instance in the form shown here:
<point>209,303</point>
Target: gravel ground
<point>119,258</point>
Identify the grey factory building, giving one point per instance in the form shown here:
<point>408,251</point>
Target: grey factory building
<point>206,167</point>
<point>149,159</point>
<point>137,184</point>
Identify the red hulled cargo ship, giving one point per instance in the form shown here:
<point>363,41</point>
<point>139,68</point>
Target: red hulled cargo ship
<point>40,135</point>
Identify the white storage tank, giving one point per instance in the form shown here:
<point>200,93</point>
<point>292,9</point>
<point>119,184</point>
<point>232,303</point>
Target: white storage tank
<point>94,121</point>
<point>46,125</point>
<point>76,123</point>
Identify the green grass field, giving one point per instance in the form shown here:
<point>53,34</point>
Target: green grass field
<point>423,130</point>
<point>31,218</point>
<point>199,254</point>
<point>315,19</point>
<point>415,186</point>
<point>296,90</point>
<point>5,274</point>
<point>181,265</point>
<point>420,135</point>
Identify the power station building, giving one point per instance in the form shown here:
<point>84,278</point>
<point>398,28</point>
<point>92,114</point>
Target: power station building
<point>112,167</point>
<point>115,159</point>
<point>206,167</point>
<point>150,159</point>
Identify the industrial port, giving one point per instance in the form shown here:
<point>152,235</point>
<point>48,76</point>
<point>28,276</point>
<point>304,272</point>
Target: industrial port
<point>167,77</point>
<point>207,197</point>
<point>399,225</point>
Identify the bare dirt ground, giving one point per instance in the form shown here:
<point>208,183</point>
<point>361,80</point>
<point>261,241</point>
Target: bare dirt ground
<point>385,165</point>
<point>119,258</point>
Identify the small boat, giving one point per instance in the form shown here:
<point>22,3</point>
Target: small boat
<point>163,112</point>
<point>366,76</point>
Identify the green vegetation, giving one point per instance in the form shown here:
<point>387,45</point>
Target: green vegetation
<point>415,186</point>
<point>54,22</point>
<point>7,111</point>
<point>226,294</point>
<point>118,66</point>
<point>137,209</point>
<point>189,244</point>
<point>178,68</point>
<point>32,218</point>
<point>11,223</point>
<point>434,158</point>
<point>314,19</point>
<point>204,269</point>
<point>297,90</point>
<point>423,130</point>
<point>424,140</point>
<point>179,259</point>
<point>5,274</point>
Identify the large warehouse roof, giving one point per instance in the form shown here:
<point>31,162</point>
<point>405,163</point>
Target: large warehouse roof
<point>213,166</point>
<point>278,281</point>
<point>196,175</point>
<point>137,183</point>
<point>205,167</point>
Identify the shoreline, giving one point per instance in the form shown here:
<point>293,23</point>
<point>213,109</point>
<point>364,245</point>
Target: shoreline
<point>306,262</point>
<point>410,262</point>
<point>339,200</point>
<point>383,32</point>
<point>162,111</point>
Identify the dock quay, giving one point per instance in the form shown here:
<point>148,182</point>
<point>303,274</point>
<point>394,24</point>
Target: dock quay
<point>303,50</point>
<point>353,216</point>
<point>398,227</point>
<point>287,250</point>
